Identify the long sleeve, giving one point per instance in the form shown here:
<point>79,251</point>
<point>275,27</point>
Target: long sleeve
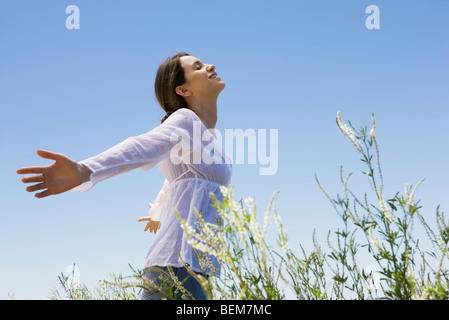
<point>139,152</point>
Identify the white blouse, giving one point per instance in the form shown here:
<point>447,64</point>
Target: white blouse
<point>187,184</point>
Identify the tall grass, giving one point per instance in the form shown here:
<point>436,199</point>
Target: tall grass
<point>381,228</point>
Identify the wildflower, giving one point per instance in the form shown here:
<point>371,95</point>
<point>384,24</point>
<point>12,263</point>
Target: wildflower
<point>387,214</point>
<point>249,202</point>
<point>371,133</point>
<point>283,240</point>
<point>406,193</point>
<point>440,241</point>
<point>266,222</point>
<point>412,194</point>
<point>240,227</point>
<point>233,205</point>
<point>224,190</point>
<point>373,239</point>
<point>347,131</point>
<point>254,227</point>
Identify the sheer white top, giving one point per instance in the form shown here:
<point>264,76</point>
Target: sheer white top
<point>190,176</point>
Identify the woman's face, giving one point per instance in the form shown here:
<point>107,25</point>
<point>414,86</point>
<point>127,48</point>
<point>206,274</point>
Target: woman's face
<point>201,79</point>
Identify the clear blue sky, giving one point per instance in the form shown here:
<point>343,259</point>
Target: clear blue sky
<point>287,65</point>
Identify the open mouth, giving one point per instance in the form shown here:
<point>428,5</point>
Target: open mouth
<point>213,76</point>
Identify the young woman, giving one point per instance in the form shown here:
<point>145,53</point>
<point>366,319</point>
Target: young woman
<point>187,89</point>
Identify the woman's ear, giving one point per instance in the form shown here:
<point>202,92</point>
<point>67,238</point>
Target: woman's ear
<point>183,91</point>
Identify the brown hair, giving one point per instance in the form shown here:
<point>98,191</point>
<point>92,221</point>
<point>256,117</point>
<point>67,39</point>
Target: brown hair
<point>170,75</point>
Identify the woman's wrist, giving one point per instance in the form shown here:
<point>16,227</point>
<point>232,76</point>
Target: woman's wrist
<point>85,172</point>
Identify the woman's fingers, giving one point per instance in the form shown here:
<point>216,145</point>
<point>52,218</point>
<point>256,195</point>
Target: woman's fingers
<point>152,226</point>
<point>37,178</point>
<point>28,170</point>
<point>36,187</point>
<point>43,194</point>
<point>47,154</point>
<point>44,154</point>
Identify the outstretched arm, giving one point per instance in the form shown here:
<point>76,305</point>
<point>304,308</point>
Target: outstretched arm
<point>143,151</point>
<point>61,176</point>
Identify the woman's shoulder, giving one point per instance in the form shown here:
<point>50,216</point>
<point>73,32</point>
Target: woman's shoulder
<point>186,112</point>
<point>182,117</point>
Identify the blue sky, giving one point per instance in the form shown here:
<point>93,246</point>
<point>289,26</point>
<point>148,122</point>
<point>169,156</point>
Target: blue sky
<point>287,65</point>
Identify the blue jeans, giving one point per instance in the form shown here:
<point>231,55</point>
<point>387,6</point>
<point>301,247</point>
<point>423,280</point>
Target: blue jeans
<point>188,282</point>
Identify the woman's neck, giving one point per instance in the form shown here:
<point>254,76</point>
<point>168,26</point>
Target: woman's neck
<point>207,112</point>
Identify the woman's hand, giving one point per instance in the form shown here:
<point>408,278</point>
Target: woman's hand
<point>64,174</point>
<point>153,226</point>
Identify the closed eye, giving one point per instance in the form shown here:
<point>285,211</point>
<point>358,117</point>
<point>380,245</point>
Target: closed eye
<point>198,65</point>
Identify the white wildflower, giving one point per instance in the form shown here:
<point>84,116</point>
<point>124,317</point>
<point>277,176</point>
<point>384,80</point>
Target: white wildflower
<point>440,242</point>
<point>373,239</point>
<point>371,133</point>
<point>266,222</point>
<point>385,210</point>
<point>412,194</point>
<point>249,202</point>
<point>406,193</point>
<point>347,131</point>
<point>224,190</point>
<point>283,240</point>
<point>254,227</point>
<point>240,227</point>
<point>233,205</point>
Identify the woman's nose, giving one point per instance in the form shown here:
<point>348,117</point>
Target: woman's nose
<point>211,67</point>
